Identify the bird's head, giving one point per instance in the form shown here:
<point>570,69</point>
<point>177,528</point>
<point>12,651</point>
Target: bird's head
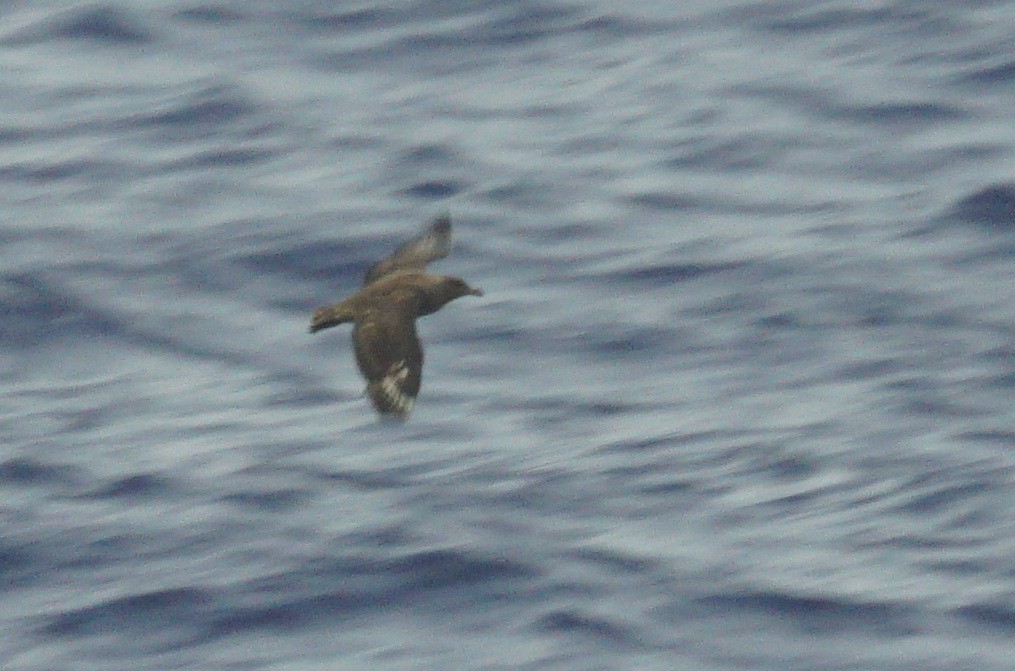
<point>440,290</point>
<point>456,287</point>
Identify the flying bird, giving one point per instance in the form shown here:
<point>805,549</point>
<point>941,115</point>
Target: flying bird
<point>396,291</point>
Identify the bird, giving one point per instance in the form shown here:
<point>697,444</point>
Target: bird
<point>396,291</point>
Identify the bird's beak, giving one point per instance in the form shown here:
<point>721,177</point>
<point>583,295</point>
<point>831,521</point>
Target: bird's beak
<point>473,291</point>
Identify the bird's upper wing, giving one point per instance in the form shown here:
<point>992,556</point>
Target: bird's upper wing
<point>389,354</point>
<point>430,245</point>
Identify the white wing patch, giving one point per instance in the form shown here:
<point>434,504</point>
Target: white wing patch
<point>390,386</point>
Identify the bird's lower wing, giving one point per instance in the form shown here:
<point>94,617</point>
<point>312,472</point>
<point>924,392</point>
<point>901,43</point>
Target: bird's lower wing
<point>390,357</point>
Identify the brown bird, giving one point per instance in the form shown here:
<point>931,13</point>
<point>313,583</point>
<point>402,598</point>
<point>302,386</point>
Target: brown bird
<point>396,291</point>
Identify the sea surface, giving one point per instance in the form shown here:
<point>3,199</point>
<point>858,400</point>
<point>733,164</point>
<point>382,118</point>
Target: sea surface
<point>740,394</point>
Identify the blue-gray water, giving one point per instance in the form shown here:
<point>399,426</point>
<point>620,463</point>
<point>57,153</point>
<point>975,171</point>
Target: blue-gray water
<point>740,394</point>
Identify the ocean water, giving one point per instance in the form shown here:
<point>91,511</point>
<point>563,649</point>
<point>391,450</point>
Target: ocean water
<point>740,394</point>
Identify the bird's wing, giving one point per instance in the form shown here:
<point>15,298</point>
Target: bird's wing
<point>430,245</point>
<point>389,355</point>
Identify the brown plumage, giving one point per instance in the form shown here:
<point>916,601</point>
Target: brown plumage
<point>396,291</point>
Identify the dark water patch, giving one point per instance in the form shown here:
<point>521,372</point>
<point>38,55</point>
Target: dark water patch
<point>932,403</point>
<point>1005,381</point>
<point>375,480</point>
<point>665,442</point>
<point>613,26</point>
<point>15,563</point>
<point>105,25</point>
<point>869,370</point>
<point>680,202</point>
<point>551,410</point>
<point>210,14</point>
<point>997,616</point>
<point>26,471</point>
<point>786,467</point>
<point>884,115</point>
<point>499,334</point>
<point>275,501</point>
<point>584,145</point>
<point>448,51</point>
<point>1000,438</point>
<point>386,431</point>
<point>430,154</point>
<point>88,419</point>
<point>806,100</point>
<point>818,615</point>
<point>574,623</point>
<point>567,407</point>
<point>456,569</point>
<point>137,614</point>
<point>876,166</point>
<point>16,134</point>
<point>59,171</point>
<point>1002,357</point>
<point>367,142</point>
<point>664,274</point>
<point>925,545</point>
<point>565,233</point>
<point>199,114</point>
<point>554,491</point>
<point>513,26</point>
<point>40,309</point>
<point>351,60</point>
<point>435,189</point>
<point>629,341</point>
<point>299,304</point>
<point>612,562</point>
<point>892,114</point>
<point>290,614</point>
<point>993,208</point>
<point>525,194</point>
<point>664,480</point>
<point>731,155</point>
<point>69,391</point>
<point>367,585</point>
<point>225,158</point>
<point>137,487</point>
<point>309,395</point>
<point>876,309</point>
<point>101,552</point>
<point>295,384</point>
<point>607,408</point>
<point>342,20</point>
<point>340,263</point>
<point>780,321</point>
<point>180,344</point>
<point>307,595</point>
<point>216,241</point>
<point>998,75</point>
<point>670,488</point>
<point>388,537</point>
<point>930,495</point>
<point>527,23</point>
<point>829,20</point>
<point>957,567</point>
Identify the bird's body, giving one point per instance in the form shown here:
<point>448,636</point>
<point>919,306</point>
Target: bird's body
<point>395,292</point>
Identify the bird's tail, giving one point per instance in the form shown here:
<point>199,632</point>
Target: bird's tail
<point>332,315</point>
